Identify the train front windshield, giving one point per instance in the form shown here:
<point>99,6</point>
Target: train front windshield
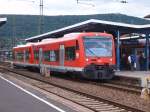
<point>98,46</point>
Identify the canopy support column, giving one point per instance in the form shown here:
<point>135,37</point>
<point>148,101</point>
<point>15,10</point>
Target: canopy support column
<point>118,50</point>
<point>147,52</point>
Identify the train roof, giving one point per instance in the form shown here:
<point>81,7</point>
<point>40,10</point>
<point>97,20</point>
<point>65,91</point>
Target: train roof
<point>25,45</point>
<point>75,34</point>
<point>70,36</point>
<point>66,37</point>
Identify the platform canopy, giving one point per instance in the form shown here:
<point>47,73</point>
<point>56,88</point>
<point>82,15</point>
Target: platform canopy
<point>2,21</point>
<point>94,25</point>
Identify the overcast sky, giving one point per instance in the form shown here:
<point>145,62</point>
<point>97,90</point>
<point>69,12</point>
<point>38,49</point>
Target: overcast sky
<point>137,8</point>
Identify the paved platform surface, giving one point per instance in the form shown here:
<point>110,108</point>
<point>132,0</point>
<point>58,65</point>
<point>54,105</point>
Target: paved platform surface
<point>13,99</point>
<point>141,75</point>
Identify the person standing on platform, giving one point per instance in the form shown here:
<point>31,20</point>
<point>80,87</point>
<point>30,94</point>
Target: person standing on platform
<point>132,62</point>
<point>142,61</point>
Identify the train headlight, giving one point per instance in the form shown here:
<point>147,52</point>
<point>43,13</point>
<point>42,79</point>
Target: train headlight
<point>77,55</point>
<point>87,59</point>
<point>110,59</point>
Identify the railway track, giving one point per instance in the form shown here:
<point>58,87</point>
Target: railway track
<point>109,84</point>
<point>94,103</point>
<point>114,84</point>
<point>76,97</point>
<point>121,87</point>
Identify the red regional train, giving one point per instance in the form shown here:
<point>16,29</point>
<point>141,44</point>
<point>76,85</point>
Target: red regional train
<point>90,55</point>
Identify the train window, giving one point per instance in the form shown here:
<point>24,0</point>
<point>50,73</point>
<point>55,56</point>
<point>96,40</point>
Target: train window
<point>26,55</point>
<point>20,56</point>
<point>51,55</point>
<point>98,46</point>
<point>54,55</point>
<point>70,53</point>
<point>47,55</point>
<point>57,55</point>
<point>36,55</point>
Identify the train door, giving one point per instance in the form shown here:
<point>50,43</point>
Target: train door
<point>61,55</point>
<point>40,57</point>
<point>24,52</point>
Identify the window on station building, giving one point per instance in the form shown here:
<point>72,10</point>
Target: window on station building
<point>70,53</point>
<point>51,56</point>
<point>36,54</point>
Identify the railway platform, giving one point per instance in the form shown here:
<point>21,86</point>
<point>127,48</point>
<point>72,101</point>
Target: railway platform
<point>139,76</point>
<point>14,98</point>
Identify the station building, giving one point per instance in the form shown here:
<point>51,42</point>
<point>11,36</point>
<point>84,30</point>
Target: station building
<point>134,44</point>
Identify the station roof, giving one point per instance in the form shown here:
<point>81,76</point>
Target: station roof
<point>94,25</point>
<point>147,16</point>
<point>2,21</point>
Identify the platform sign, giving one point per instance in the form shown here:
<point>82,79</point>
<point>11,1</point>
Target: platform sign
<point>130,42</point>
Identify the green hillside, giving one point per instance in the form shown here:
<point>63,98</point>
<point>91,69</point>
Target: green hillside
<point>24,26</point>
